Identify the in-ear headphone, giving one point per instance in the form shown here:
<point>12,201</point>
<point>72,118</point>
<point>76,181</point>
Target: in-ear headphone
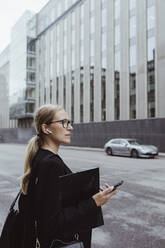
<point>48,130</point>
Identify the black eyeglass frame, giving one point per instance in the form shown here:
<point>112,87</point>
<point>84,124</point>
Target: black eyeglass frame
<point>63,122</point>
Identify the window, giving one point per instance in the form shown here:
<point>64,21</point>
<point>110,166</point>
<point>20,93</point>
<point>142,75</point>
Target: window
<point>132,4</point>
<point>117,9</point>
<point>132,27</point>
<point>151,17</point>
<point>117,35</point>
<point>151,58</point>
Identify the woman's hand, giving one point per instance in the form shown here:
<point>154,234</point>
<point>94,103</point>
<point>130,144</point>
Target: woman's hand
<point>104,195</point>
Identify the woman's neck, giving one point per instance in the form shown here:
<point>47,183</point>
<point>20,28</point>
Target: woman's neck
<point>52,148</point>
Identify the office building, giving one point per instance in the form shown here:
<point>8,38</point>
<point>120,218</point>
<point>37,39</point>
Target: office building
<point>4,88</point>
<point>22,67</point>
<point>102,59</point>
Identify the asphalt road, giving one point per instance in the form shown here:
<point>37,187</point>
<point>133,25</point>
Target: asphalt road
<point>134,218</point>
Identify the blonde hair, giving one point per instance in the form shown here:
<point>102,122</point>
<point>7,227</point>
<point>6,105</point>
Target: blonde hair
<point>45,114</point>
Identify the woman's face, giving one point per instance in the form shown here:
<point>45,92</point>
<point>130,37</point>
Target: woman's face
<point>60,128</point>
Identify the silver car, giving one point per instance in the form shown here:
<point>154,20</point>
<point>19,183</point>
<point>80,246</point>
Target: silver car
<point>130,147</point>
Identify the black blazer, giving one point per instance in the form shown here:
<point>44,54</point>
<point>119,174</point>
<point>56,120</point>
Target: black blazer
<point>42,205</point>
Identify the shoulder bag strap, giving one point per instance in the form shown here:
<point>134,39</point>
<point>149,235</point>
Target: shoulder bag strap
<point>15,200</point>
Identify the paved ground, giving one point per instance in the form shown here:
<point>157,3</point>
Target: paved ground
<point>134,218</point>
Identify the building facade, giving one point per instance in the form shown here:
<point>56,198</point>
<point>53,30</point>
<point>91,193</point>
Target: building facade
<point>22,72</point>
<point>102,60</point>
<point>4,88</point>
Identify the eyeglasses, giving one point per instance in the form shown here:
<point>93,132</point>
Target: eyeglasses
<point>65,123</point>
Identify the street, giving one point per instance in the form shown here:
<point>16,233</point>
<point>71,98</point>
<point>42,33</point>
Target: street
<point>134,217</point>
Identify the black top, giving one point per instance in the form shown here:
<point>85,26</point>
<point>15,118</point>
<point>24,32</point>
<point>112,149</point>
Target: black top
<point>44,206</point>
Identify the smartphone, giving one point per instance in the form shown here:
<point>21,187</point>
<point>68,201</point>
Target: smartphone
<point>117,185</point>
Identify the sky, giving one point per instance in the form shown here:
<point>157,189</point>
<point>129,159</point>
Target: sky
<point>10,12</point>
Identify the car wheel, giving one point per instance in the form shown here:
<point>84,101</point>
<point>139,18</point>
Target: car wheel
<point>109,151</point>
<point>134,154</point>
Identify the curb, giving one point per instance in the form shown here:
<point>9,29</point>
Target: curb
<point>161,154</point>
<point>83,148</point>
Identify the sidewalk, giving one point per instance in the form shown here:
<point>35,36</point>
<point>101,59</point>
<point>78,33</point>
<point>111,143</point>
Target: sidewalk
<point>161,154</point>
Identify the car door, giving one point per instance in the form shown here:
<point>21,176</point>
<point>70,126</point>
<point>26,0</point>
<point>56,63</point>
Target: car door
<point>124,148</point>
<point>116,147</point>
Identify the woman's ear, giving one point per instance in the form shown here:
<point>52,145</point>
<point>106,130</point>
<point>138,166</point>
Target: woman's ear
<point>43,128</point>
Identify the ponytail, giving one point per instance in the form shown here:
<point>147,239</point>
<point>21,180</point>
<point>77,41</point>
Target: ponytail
<point>32,149</point>
<point>44,114</point>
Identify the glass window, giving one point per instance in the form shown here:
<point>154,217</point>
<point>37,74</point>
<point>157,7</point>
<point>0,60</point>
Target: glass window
<point>104,17</point>
<point>57,89</point>
<point>103,4</point>
<point>117,35</point>
<point>132,4</point>
<point>81,93</point>
<point>72,95</point>
<point>73,20</point>
<point>132,41</point>
<point>92,3</point>
<point>82,55</point>
<point>91,94</point>
<point>117,9</point>
<point>73,59</point>
<point>104,41</point>
<point>92,40</point>
<point>151,17</point>
<point>58,32</point>
<point>65,62</point>
<point>132,12</point>
<point>151,77</point>
<point>92,25</point>
<point>64,91</point>
<point>82,32</point>
<point>92,48</point>
<point>117,61</point>
<point>132,26</point>
<point>65,26</point>
<point>132,56</point>
<point>59,8</point>
<point>104,62</point>
<point>73,38</point>
<point>58,66</point>
<point>103,94</point>
<point>132,86</point>
<point>151,33</point>
<point>82,35</point>
<point>65,4</point>
<point>82,11</point>
<point>150,2</point>
<point>151,48</point>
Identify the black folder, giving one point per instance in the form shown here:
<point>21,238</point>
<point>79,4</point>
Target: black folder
<point>78,187</point>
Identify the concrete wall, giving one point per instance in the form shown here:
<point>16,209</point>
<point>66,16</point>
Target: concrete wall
<point>149,131</point>
<point>16,135</point>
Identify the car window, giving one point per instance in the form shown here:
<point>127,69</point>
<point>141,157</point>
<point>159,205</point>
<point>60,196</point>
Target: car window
<point>115,141</point>
<point>133,142</point>
<point>123,142</point>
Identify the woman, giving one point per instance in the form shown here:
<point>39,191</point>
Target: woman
<point>44,217</point>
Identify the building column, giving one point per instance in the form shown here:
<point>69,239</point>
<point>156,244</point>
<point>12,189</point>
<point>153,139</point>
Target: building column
<point>47,65</point>
<point>61,58</point>
<point>69,68</point>
<point>124,55</point>
<point>97,67</point>
<point>141,77</point>
<point>86,95</point>
<point>160,59</point>
<point>77,70</point>
<point>37,81</point>
<point>42,71</point>
<point>54,72</point>
<point>110,62</point>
